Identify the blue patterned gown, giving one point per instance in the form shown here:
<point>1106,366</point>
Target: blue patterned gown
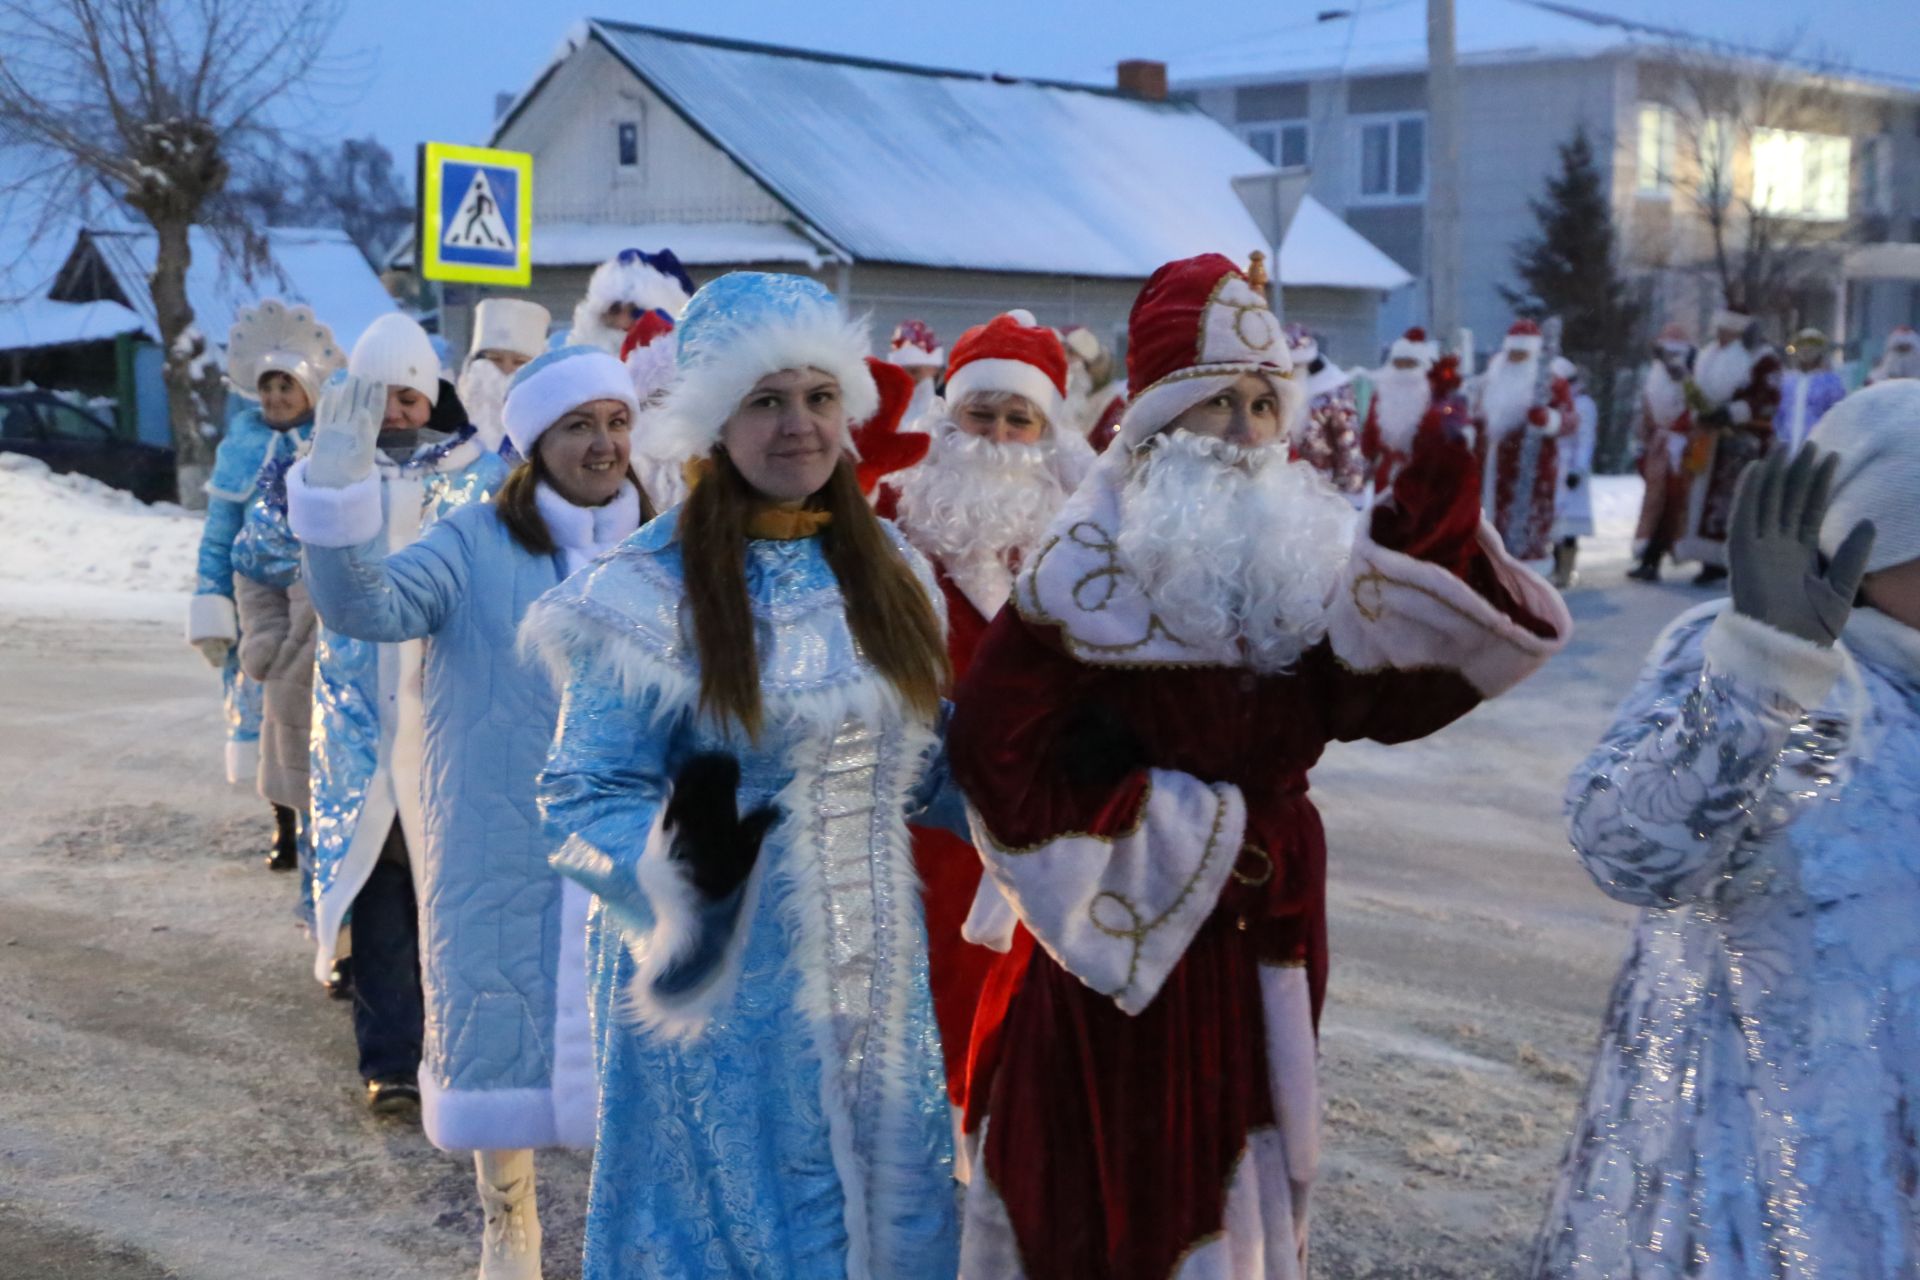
<point>1754,1110</point>
<point>791,1123</point>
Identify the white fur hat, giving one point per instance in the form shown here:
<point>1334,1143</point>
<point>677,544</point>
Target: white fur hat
<point>1414,345</point>
<point>396,351</point>
<point>558,382</point>
<point>740,328</point>
<point>510,324</point>
<point>1876,434</point>
<point>1728,318</point>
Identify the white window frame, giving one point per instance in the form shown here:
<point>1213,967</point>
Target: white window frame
<point>1391,120</point>
<point>1278,131</point>
<point>1814,193</point>
<point>1665,136</point>
<point>639,143</point>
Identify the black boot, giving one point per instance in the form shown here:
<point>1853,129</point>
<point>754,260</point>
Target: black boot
<point>1710,576</point>
<point>1648,570</point>
<point>340,979</point>
<point>285,855</point>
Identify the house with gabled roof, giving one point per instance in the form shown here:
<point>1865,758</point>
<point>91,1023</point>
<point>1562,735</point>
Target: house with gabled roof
<point>911,191</point>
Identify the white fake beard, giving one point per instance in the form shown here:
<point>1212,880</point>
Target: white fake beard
<point>587,330</point>
<point>1720,371</point>
<point>1234,544</point>
<point>1899,364</point>
<point>483,390</point>
<point>1508,395</point>
<point>972,500</point>
<point>1666,397</point>
<point>1404,396</point>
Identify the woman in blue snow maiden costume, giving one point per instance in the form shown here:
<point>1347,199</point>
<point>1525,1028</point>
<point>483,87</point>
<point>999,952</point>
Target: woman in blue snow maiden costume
<point>1754,1109</point>
<point>277,356</point>
<point>750,688</point>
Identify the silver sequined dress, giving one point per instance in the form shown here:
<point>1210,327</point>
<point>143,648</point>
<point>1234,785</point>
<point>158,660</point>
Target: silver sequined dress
<point>1754,1104</point>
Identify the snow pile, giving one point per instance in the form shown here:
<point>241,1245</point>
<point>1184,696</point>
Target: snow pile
<point>70,544</point>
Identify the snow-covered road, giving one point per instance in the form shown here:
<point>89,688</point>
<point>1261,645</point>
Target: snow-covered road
<point>180,1099</point>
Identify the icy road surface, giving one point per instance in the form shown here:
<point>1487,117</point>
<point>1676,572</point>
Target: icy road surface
<point>180,1098</point>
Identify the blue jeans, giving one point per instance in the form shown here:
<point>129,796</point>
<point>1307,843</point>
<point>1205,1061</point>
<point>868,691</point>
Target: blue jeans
<point>388,1016</point>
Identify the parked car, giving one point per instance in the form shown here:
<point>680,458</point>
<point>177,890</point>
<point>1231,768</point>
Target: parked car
<point>67,437</point>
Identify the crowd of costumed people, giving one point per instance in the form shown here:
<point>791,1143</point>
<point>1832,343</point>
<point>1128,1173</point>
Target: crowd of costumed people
<point>864,799</point>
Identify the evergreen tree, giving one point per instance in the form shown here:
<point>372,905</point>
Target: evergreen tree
<point>1569,269</point>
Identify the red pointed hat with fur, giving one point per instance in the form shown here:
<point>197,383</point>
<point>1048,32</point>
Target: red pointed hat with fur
<point>1196,328</point>
<point>1011,352</point>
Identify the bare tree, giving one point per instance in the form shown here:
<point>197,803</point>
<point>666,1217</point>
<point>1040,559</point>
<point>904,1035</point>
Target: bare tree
<point>155,100</point>
<point>1763,238</point>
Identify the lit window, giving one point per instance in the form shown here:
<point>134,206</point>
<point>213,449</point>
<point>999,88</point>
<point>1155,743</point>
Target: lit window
<point>1801,175</point>
<point>629,133</point>
<point>1393,159</point>
<point>1655,159</point>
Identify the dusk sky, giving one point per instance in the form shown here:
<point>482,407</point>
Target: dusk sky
<point>431,68</point>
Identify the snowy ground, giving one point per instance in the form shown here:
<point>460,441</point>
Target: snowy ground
<point>181,1100</point>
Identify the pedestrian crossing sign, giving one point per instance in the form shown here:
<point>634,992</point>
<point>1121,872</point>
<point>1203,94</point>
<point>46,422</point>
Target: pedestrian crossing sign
<point>476,215</point>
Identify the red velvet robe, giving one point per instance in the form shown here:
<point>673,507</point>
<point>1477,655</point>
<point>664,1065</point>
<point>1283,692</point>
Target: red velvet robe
<point>1521,482</point>
<point>948,866</point>
<point>1113,1130</point>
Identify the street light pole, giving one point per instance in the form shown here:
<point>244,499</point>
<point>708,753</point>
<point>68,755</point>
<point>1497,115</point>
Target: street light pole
<point>1443,185</point>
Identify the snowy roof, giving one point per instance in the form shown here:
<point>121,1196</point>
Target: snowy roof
<point>320,267</point>
<point>952,169</point>
<point>1391,35</point>
<point>698,244</point>
<point>41,322</point>
<point>1321,250</point>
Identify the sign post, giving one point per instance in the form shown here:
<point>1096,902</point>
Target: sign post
<point>476,215</point>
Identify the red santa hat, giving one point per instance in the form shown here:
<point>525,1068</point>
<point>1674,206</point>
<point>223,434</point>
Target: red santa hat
<point>1524,335</point>
<point>1011,352</point>
<point>1194,330</point>
<point>1414,345</point>
<point>913,346</point>
<point>648,352</point>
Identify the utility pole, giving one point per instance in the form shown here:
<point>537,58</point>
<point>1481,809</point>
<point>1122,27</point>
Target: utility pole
<point>1443,173</point>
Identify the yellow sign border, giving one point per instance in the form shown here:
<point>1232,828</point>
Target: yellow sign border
<point>520,274</point>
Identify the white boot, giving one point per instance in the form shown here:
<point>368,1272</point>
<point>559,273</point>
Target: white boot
<point>510,1241</point>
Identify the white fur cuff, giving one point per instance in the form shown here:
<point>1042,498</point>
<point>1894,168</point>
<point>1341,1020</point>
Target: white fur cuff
<point>333,517</point>
<point>678,923</point>
<point>1768,660</point>
<point>211,617</point>
<point>1393,611</point>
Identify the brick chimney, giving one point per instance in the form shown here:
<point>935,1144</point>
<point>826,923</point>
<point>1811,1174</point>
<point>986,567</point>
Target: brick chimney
<point>1143,78</point>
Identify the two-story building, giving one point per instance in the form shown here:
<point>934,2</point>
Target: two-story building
<point>910,191</point>
<point>1830,162</point>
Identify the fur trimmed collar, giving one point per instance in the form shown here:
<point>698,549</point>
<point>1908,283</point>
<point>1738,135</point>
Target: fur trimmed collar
<point>582,533</point>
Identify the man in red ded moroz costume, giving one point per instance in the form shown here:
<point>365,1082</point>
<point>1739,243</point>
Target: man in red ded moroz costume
<point>1005,455</point>
<point>1402,394</point>
<point>1522,413</point>
<point>1203,617</point>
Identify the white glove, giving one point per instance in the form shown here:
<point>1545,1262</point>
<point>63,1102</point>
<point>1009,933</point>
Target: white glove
<point>214,649</point>
<point>345,426</point>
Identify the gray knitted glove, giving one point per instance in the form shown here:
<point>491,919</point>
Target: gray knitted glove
<point>345,425</point>
<point>1773,549</point>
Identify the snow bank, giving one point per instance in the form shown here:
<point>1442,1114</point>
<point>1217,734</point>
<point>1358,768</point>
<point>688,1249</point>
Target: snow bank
<point>71,546</point>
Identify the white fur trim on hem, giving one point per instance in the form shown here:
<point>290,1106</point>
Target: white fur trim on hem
<point>1015,376</point>
<point>575,1083</point>
<point>211,617</point>
<point>1393,611</point>
<point>488,1119</point>
<point>1771,662</point>
<point>344,517</point>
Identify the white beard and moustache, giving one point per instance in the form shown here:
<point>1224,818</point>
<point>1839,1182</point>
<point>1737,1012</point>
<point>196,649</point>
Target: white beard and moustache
<point>1403,397</point>
<point>1721,371</point>
<point>1509,394</point>
<point>972,504</point>
<point>1666,396</point>
<point>588,331</point>
<point>1898,364</point>
<point>1234,544</point>
<point>483,390</point>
